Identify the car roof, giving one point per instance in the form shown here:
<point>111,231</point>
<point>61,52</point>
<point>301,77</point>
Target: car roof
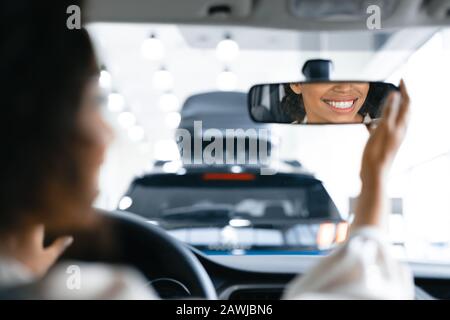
<point>219,110</point>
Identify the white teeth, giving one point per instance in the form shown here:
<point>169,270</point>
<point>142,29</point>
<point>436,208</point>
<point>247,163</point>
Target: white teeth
<point>341,104</point>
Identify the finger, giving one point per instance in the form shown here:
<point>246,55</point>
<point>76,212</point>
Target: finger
<point>404,91</point>
<point>56,249</point>
<point>389,108</point>
<point>387,121</point>
<point>404,109</point>
<point>394,105</point>
<point>32,237</point>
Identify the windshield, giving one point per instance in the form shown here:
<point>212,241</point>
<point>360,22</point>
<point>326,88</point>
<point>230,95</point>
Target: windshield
<point>147,90</point>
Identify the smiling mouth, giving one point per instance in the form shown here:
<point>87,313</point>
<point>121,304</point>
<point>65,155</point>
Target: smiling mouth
<point>341,106</point>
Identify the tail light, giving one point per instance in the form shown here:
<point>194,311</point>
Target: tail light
<point>326,235</point>
<point>331,233</point>
<point>341,232</point>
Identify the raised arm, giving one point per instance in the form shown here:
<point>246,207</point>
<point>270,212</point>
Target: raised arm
<point>363,267</point>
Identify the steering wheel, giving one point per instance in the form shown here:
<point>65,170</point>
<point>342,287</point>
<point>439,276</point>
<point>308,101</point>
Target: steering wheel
<point>149,249</point>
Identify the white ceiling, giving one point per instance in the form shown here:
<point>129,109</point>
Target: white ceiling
<point>265,56</point>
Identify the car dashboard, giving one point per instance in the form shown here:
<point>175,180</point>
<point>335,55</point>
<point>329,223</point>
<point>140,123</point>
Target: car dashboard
<point>261,277</point>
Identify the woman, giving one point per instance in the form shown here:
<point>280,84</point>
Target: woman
<point>333,102</point>
<point>55,141</point>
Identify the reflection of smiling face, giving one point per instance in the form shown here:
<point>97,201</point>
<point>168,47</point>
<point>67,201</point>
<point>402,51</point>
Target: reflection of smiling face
<point>337,102</point>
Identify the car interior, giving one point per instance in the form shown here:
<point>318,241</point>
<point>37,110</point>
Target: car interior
<point>221,231</point>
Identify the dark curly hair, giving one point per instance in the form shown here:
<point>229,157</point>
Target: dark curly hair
<point>44,68</point>
<point>292,103</point>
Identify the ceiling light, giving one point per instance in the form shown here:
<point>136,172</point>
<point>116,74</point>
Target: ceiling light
<point>227,50</point>
<point>153,49</point>
<point>105,80</point>
<point>116,102</point>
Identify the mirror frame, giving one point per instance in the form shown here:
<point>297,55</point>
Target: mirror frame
<point>249,100</point>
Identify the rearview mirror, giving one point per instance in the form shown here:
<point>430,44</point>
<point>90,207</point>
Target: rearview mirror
<point>324,102</point>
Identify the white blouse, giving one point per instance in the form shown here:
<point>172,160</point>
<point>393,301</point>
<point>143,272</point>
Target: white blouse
<point>362,268</point>
<point>96,281</point>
